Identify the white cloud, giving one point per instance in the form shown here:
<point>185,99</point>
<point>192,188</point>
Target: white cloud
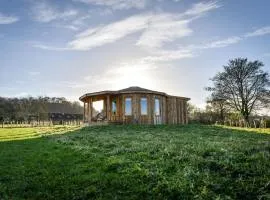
<point>79,21</point>
<point>75,24</point>
<point>70,27</point>
<point>105,34</point>
<point>217,44</point>
<point>51,48</point>
<point>259,32</point>
<point>43,12</point>
<point>202,7</point>
<point>117,4</point>
<point>34,73</point>
<point>157,29</point>
<point>163,28</point>
<point>4,19</point>
<point>167,55</point>
<point>169,27</point>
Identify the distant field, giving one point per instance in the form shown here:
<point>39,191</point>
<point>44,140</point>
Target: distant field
<point>135,162</point>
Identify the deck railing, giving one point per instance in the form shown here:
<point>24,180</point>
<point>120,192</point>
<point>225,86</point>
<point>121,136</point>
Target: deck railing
<point>131,119</point>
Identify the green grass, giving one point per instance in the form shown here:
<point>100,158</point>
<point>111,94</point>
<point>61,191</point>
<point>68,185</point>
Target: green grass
<point>137,162</point>
<point>252,130</point>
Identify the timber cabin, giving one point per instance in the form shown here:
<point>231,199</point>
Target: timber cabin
<point>135,105</point>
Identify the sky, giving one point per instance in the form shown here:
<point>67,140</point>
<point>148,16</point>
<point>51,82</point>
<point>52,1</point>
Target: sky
<point>72,47</point>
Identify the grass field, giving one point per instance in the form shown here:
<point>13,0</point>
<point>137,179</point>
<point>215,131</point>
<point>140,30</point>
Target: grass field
<point>136,162</point>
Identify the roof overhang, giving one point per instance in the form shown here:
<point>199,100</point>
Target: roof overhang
<point>102,94</point>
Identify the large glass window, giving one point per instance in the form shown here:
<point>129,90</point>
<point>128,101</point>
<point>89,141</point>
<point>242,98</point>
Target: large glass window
<point>114,109</point>
<point>157,107</point>
<point>143,106</point>
<point>128,106</point>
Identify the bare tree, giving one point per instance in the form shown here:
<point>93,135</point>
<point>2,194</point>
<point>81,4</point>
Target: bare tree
<point>243,84</point>
<point>219,106</point>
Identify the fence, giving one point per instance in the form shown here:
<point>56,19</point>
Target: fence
<point>39,124</point>
<point>255,123</point>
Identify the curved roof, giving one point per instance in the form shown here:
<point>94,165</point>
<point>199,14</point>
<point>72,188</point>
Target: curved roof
<point>133,89</point>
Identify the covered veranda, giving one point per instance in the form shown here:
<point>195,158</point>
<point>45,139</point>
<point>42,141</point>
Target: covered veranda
<point>110,109</point>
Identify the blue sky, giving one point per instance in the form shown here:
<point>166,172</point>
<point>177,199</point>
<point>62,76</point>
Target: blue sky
<point>71,47</point>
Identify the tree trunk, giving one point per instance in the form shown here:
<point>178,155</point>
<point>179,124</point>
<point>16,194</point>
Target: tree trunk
<point>246,118</point>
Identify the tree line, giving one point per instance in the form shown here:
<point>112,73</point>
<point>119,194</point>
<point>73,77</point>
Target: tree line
<point>36,108</point>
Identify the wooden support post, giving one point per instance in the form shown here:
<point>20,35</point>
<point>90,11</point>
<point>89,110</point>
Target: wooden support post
<point>108,108</point>
<point>104,106</point>
<point>123,109</point>
<point>118,108</point>
<point>182,112</point>
<point>83,112</point>
<point>87,112</point>
<point>90,107</point>
<point>185,111</point>
<point>186,114</point>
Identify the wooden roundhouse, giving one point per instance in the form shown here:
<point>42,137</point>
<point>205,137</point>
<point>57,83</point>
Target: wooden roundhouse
<point>135,105</point>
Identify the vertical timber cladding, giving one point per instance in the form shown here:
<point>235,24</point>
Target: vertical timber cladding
<point>181,118</point>
<point>182,112</point>
<point>119,107</point>
<point>175,121</point>
<point>104,108</point>
<point>90,107</point>
<point>182,108</point>
<point>87,111</point>
<point>176,110</point>
<point>172,111</point>
<point>122,108</point>
<point>164,100</point>
<point>179,111</point>
<point>134,107</point>
<point>185,112</point>
<point>108,102</point>
<point>149,109</point>
<point>152,108</point>
<point>168,110</point>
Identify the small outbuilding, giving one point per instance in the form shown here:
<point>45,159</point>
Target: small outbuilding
<point>135,105</point>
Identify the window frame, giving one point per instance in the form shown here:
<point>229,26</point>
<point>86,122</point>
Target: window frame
<point>144,114</point>
<point>125,110</point>
<point>114,102</point>
<point>159,108</point>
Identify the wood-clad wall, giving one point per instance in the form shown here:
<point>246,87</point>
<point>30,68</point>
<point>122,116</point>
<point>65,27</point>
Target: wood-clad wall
<point>177,110</point>
<point>173,110</point>
<point>136,108</point>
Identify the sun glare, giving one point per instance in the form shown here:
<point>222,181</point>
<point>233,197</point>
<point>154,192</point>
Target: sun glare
<point>139,75</point>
